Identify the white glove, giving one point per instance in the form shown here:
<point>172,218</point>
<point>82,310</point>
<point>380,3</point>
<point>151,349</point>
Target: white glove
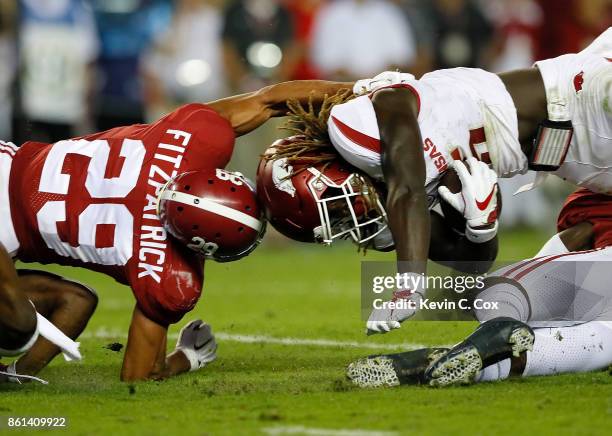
<point>197,342</point>
<point>386,78</point>
<point>477,200</point>
<point>384,320</point>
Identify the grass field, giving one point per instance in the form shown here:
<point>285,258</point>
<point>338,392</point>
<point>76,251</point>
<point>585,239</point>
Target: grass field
<point>288,322</point>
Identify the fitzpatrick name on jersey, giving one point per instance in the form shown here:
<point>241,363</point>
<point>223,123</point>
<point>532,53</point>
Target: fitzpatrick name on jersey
<point>153,237</point>
<point>92,202</point>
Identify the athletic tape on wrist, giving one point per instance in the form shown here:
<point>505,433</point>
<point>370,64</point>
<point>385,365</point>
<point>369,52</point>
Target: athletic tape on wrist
<point>192,357</point>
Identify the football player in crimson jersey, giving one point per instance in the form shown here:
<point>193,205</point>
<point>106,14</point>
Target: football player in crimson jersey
<point>406,133</point>
<point>107,202</point>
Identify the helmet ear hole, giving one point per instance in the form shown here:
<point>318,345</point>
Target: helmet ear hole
<point>241,229</point>
<point>179,208</point>
<point>233,189</point>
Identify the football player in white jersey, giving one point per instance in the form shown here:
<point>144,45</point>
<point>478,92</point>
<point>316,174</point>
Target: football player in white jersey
<point>406,133</point>
<point>554,314</point>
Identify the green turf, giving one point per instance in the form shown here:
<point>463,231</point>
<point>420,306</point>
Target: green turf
<point>258,387</point>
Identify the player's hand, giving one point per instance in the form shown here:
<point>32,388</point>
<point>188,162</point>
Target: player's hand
<point>384,320</point>
<point>477,200</point>
<point>197,342</point>
<point>386,78</point>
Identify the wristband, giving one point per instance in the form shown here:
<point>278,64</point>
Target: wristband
<point>480,236</point>
<point>24,348</point>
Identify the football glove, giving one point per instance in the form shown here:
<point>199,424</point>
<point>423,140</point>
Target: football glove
<point>384,320</point>
<point>477,200</point>
<point>386,78</point>
<point>197,343</point>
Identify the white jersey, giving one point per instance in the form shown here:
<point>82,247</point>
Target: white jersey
<point>579,88</point>
<point>462,112</point>
<point>468,112</point>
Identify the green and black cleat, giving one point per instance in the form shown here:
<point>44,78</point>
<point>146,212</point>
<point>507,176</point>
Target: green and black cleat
<point>492,342</point>
<point>393,369</point>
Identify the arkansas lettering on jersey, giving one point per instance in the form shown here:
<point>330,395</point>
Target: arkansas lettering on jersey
<point>91,202</point>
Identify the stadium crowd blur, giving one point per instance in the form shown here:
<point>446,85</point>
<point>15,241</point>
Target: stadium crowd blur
<point>70,67</point>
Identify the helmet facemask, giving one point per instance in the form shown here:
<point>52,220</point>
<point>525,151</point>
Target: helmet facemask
<point>350,210</point>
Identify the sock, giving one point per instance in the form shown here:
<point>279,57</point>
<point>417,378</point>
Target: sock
<point>511,303</point>
<point>497,371</point>
<point>578,348</point>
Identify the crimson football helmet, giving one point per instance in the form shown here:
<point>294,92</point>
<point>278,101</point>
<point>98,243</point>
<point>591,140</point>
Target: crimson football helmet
<point>214,212</point>
<point>319,203</point>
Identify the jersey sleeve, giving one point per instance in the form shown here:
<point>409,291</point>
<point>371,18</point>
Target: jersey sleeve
<point>353,130</point>
<point>177,291</point>
<point>587,206</point>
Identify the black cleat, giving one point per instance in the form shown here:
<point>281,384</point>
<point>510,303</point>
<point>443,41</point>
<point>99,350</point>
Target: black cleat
<point>492,342</point>
<point>393,369</point>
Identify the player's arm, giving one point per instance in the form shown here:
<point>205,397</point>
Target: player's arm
<point>17,316</point>
<point>456,251</point>
<point>67,305</point>
<point>248,111</point>
<point>404,172</point>
<point>145,354</point>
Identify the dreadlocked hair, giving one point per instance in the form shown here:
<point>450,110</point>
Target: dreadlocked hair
<point>310,143</point>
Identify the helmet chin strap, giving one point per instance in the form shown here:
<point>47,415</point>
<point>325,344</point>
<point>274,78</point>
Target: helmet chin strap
<point>160,193</point>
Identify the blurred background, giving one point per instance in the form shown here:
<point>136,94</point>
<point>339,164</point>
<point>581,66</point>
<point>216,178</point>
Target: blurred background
<point>71,67</point>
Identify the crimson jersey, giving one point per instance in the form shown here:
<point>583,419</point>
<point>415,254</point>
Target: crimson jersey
<point>584,205</point>
<point>91,202</point>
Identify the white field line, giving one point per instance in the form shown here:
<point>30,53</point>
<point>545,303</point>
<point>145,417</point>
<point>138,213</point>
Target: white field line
<point>301,430</point>
<point>105,333</point>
